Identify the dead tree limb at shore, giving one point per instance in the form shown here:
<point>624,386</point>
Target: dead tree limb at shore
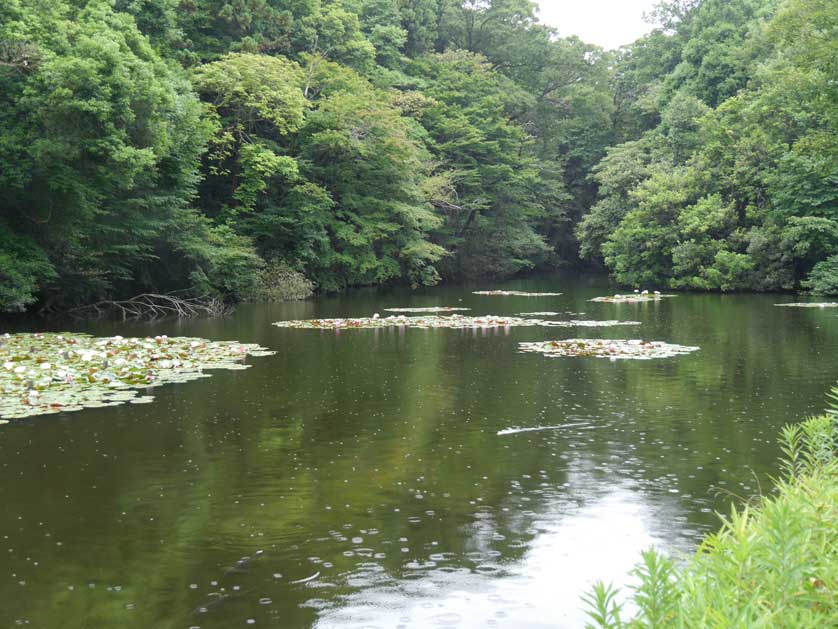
<point>151,306</point>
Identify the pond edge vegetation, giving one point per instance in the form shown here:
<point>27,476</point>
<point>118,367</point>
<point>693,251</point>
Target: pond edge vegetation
<point>243,150</point>
<point>773,563</point>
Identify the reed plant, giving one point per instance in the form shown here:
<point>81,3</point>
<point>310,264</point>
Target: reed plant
<point>772,564</point>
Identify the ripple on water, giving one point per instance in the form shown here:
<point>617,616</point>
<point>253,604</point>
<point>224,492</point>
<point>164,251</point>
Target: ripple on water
<point>316,603</point>
<point>447,620</point>
<point>489,569</point>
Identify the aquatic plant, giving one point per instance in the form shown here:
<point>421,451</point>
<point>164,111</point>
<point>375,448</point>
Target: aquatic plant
<point>607,348</point>
<point>454,321</point>
<point>428,309</point>
<point>577,323</point>
<point>51,373</point>
<point>772,564</point>
<point>514,293</point>
<point>632,298</point>
<point>820,304</point>
<point>431,321</point>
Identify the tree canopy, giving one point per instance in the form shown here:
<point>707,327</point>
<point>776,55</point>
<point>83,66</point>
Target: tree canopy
<point>192,144</point>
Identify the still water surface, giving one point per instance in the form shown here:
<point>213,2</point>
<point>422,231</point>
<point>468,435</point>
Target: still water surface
<point>357,478</point>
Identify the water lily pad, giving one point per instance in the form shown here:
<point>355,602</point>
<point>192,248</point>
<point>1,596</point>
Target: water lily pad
<point>576,323</point>
<point>429,309</point>
<point>607,348</point>
<point>632,298</point>
<point>514,293</point>
<point>821,304</point>
<point>454,321</point>
<point>53,373</point>
<point>539,314</point>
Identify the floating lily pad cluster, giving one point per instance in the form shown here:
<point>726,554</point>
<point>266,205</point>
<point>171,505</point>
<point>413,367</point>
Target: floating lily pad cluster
<point>51,373</point>
<point>429,309</point>
<point>514,293</point>
<point>607,348</point>
<point>822,304</point>
<point>632,298</point>
<point>577,323</point>
<point>454,321</point>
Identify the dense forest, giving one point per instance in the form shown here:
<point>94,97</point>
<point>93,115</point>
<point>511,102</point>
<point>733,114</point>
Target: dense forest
<point>251,149</point>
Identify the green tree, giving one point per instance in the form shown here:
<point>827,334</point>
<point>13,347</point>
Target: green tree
<point>102,151</point>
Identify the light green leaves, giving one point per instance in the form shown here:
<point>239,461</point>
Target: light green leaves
<point>51,373</point>
<point>607,348</point>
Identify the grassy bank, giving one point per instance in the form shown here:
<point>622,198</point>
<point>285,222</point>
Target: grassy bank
<point>772,564</point>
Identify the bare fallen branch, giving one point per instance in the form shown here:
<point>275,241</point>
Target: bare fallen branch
<point>154,306</point>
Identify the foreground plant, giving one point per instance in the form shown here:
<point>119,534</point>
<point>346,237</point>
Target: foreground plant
<point>770,565</point>
<point>51,373</point>
<point>607,348</point>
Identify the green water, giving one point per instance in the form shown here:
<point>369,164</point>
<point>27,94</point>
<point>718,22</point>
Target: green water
<point>372,459</point>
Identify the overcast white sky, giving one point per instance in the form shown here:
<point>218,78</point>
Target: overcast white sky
<point>609,23</point>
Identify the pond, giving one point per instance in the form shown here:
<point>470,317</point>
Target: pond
<point>402,476</point>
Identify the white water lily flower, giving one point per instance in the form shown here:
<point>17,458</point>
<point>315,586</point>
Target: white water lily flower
<point>20,369</point>
<point>194,344</point>
<point>46,366</point>
<point>8,365</point>
<point>119,362</point>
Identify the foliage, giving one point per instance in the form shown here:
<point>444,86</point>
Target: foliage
<point>773,564</point>
<point>101,155</point>
<point>158,145</point>
<point>280,282</point>
<point>823,279</point>
<point>23,268</point>
<point>741,196</point>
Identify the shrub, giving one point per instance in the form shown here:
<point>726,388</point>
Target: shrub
<point>823,279</point>
<point>772,565</point>
<point>280,282</point>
